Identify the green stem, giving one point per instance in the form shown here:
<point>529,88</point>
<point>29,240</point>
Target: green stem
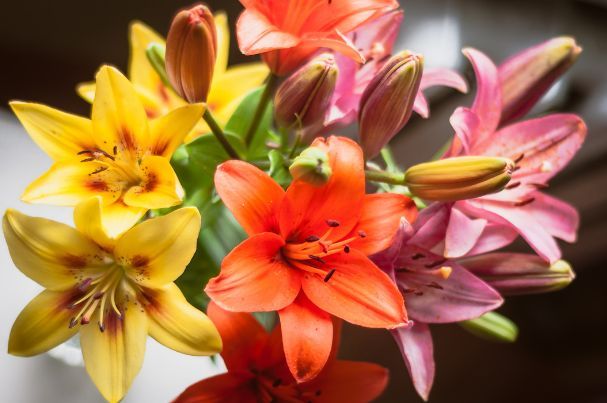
<point>388,157</point>
<point>392,178</point>
<point>261,108</point>
<point>219,134</point>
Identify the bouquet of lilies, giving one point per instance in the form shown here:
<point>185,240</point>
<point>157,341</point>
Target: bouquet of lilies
<point>199,187</point>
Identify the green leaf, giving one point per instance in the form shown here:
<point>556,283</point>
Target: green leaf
<point>279,169</point>
<point>492,326</point>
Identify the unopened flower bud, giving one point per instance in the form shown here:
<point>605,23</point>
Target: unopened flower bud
<point>155,53</point>
<point>312,166</point>
<point>387,102</point>
<point>519,273</point>
<point>191,52</point>
<point>304,98</point>
<point>492,326</point>
<point>458,178</point>
<point>526,76</point>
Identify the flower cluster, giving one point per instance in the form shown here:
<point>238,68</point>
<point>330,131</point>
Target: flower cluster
<point>299,225</point>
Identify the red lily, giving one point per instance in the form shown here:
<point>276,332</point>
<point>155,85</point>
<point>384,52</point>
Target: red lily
<point>287,32</point>
<point>307,253</point>
<point>257,371</point>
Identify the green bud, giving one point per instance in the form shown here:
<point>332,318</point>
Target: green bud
<point>312,166</point>
<point>492,326</point>
<point>155,53</point>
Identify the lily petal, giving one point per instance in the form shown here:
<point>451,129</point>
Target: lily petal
<point>157,251</point>
<point>462,233</point>
<point>224,388</point>
<point>443,77</point>
<point>251,195</point>
<point>169,131</point>
<point>561,219</point>
<point>113,357</point>
<point>307,334</point>
<point>69,183</point>
<point>306,208</point>
<point>254,278</point>
<point>119,118</point>
<point>462,296</point>
<point>87,91</point>
<point>61,135</point>
<point>178,325</point>
<point>161,187</point>
<point>380,220</point>
<point>466,125</point>
<point>42,325</point>
<point>223,43</point>
<point>118,217</point>
<point>243,337</point>
<point>140,70</point>
<point>358,292</point>
<point>52,254</point>
<point>256,34</point>
<point>494,236</point>
<point>88,220</point>
<point>415,344</point>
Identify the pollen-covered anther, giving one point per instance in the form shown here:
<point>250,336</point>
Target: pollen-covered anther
<point>333,223</point>
<point>524,202</point>
<point>329,275</point>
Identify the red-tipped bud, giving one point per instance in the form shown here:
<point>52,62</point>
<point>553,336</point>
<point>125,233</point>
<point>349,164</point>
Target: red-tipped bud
<point>191,52</point>
<point>527,76</point>
<point>387,102</point>
<point>304,98</point>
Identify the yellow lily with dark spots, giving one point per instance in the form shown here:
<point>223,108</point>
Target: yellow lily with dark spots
<point>113,291</point>
<point>118,155</point>
<point>229,87</point>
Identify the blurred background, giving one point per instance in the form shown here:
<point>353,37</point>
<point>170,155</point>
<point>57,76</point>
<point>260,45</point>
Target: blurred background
<point>561,355</point>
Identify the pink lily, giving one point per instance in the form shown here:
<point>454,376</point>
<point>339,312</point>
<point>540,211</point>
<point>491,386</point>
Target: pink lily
<point>375,40</point>
<point>541,147</point>
<point>436,289</point>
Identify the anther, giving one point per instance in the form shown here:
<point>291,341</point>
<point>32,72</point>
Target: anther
<point>362,234</point>
<point>408,290</point>
<point>88,159</point>
<point>317,258</point>
<point>312,238</point>
<point>435,263</point>
<point>434,284</point>
<point>516,168</point>
<point>276,383</point>
<point>98,170</point>
<point>332,223</point>
<point>98,295</point>
<point>101,327</point>
<point>115,150</point>
<point>519,158</point>
<point>417,256</point>
<point>85,284</point>
<point>73,322</point>
<point>540,185</point>
<point>84,152</point>
<point>513,185</point>
<point>419,293</point>
<point>329,275</point>
<point>347,248</point>
<point>525,202</point>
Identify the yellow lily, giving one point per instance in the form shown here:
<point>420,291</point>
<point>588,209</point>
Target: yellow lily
<point>229,86</point>
<point>117,155</point>
<point>123,285</point>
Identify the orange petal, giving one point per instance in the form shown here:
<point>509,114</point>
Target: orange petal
<point>250,194</point>
<point>307,334</point>
<point>349,381</point>
<point>380,218</point>
<point>358,292</point>
<point>256,34</point>
<point>306,208</point>
<point>242,335</point>
<point>224,388</point>
<point>254,278</point>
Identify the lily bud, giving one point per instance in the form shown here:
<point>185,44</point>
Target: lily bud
<point>155,53</point>
<point>526,76</point>
<point>387,102</point>
<point>312,166</point>
<point>191,52</point>
<point>458,178</point>
<point>304,98</point>
<point>492,326</point>
<point>519,273</point>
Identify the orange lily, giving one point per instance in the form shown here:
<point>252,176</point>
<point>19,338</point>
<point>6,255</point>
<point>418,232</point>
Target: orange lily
<point>306,255</point>
<point>257,371</point>
<point>287,32</point>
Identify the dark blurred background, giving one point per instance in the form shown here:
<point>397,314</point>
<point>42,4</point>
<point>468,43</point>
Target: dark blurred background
<point>46,48</point>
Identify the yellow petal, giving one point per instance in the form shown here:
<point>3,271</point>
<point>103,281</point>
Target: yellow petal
<point>119,119</point>
<point>141,71</point>
<point>169,131</point>
<point>69,183</point>
<point>223,43</point>
<point>42,325</point>
<point>61,135</point>
<point>86,91</point>
<point>160,187</point>
<point>230,88</point>
<point>117,218</point>
<point>178,325</point>
<point>200,129</point>
<point>113,357</point>
<point>157,251</point>
<point>52,254</point>
<point>87,217</point>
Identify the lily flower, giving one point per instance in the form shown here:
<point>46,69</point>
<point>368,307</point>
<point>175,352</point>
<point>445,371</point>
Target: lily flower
<point>112,291</point>
<point>287,32</point>
<point>375,40</point>
<point>117,155</point>
<point>228,88</point>
<point>306,255</point>
<point>540,147</point>
<point>257,371</point>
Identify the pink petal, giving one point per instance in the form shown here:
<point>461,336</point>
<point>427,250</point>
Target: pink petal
<point>420,106</point>
<point>443,77</point>
<point>462,296</point>
<point>487,104</point>
<point>560,219</point>
<point>466,125</point>
<point>462,233</point>
<point>431,225</point>
<point>385,259</point>
<point>415,344</point>
<point>494,236</point>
